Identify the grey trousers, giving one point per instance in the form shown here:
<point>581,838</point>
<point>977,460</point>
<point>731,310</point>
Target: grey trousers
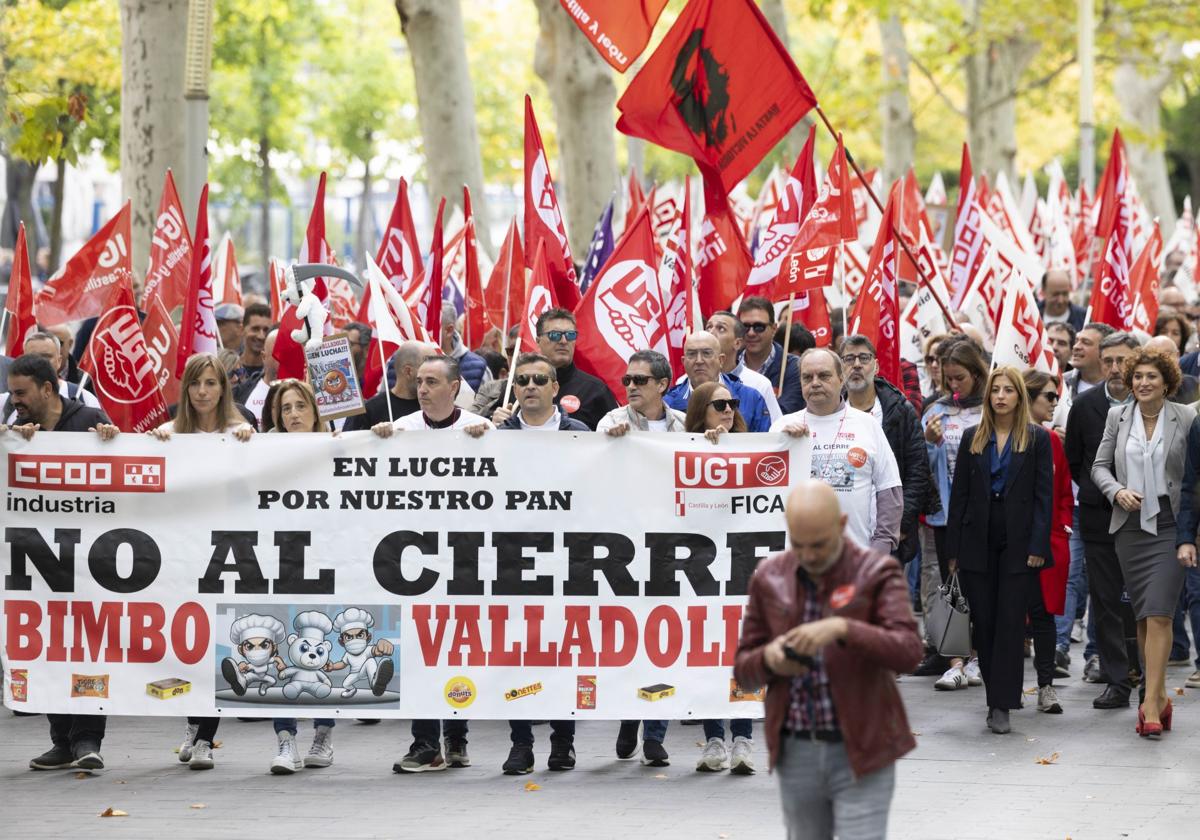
<point>931,577</point>
<point>821,798</point>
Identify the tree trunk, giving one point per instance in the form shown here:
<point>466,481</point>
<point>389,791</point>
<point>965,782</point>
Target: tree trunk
<point>899,133</point>
<point>793,142</point>
<point>584,98</point>
<point>446,104</point>
<point>264,233</point>
<point>56,218</point>
<point>993,73</point>
<point>1140,99</point>
<point>153,117</point>
<point>366,232</point>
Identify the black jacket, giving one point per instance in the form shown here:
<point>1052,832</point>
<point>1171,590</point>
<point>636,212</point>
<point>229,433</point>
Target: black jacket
<point>77,417</point>
<point>1085,428</point>
<point>1028,505</point>
<point>593,397</point>
<point>906,437</point>
<point>565,423</point>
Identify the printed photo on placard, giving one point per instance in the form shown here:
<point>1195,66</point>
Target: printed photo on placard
<point>307,655</point>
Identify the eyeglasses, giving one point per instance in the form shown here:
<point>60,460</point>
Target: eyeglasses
<point>638,379</point>
<point>725,405</point>
<point>556,336</point>
<point>706,353</point>
<point>929,360</point>
<point>755,328</point>
<point>1050,396</point>
<point>863,359</point>
<point>539,379</point>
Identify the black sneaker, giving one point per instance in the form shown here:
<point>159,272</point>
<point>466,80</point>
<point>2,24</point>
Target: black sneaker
<point>55,758</point>
<point>1062,661</point>
<point>562,755</point>
<point>87,756</point>
<point>933,665</point>
<point>421,757</point>
<point>654,754</point>
<point>456,753</point>
<point>520,760</point>
<point>627,738</point>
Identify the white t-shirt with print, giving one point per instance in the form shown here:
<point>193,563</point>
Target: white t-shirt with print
<point>416,421</point>
<point>955,421</point>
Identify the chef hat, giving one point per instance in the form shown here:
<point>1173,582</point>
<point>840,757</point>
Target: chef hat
<point>312,625</point>
<point>353,619</point>
<point>257,627</point>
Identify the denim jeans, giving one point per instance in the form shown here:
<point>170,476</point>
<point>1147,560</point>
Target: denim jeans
<point>1076,592</point>
<point>821,798</point>
<point>654,730</point>
<point>1191,605</point>
<point>430,731</point>
<point>521,731</point>
<point>289,724</point>
<point>1181,647</point>
<point>739,727</point>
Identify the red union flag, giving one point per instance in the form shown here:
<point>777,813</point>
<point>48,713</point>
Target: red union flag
<point>19,302</point>
<point>1143,282</point>
<point>877,312</point>
<point>809,261</point>
<point>505,291</point>
<point>198,327</point>
<point>984,298</point>
<point>723,261</point>
<point>618,29</point>
<point>622,311</point>
<point>80,287</point>
<point>1112,297</point>
<point>170,251</point>
<point>162,343</point>
<point>797,198</point>
<point>543,218</point>
<point>720,88</point>
<point>121,366</point>
<point>539,296</point>
<point>968,233</point>
<point>1021,335</point>
<point>675,276</point>
<point>226,278</point>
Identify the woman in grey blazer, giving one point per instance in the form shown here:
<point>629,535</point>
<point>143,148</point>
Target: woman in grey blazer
<point>1139,468</point>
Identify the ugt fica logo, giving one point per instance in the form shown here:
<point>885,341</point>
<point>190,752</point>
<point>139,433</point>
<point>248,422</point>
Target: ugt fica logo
<point>733,471</point>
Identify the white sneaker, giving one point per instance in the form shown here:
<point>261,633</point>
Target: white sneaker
<point>952,680</point>
<point>1048,700</point>
<point>202,757</point>
<point>288,761</point>
<point>740,764</point>
<point>974,677</point>
<point>189,739</point>
<point>1077,631</point>
<point>320,754</point>
<point>714,758</point>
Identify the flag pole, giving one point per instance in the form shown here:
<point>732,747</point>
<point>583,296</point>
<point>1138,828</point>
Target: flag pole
<point>841,260</point>
<point>383,367</point>
<point>4,322</point>
<point>507,290</point>
<point>787,340</point>
<point>903,245</point>
<point>512,369</point>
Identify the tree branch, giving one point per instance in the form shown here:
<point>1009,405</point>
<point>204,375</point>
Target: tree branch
<point>1041,82</point>
<point>937,89</point>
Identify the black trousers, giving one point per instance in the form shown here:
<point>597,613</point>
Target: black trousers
<point>208,728</point>
<point>1044,633</point>
<point>1106,585</point>
<point>999,602</point>
<point>430,731</point>
<point>70,730</point>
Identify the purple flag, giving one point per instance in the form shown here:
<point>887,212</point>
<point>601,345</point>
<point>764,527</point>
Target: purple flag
<point>600,249</point>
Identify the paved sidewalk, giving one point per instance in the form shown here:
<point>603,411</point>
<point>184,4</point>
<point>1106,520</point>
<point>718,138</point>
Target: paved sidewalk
<point>961,782</point>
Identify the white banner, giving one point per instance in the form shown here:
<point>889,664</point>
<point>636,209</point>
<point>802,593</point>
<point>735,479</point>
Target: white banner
<point>430,575</point>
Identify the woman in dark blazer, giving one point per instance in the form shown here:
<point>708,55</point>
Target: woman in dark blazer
<point>998,533</point>
<point>1139,467</point>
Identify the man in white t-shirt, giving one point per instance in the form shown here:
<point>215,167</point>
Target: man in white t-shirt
<point>850,453</point>
<point>438,382</point>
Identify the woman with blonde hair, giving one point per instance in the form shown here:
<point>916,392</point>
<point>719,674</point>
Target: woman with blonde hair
<point>998,533</point>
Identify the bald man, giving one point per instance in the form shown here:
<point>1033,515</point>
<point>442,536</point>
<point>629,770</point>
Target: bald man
<point>1056,303</point>
<point>704,361</point>
<point>827,628</point>
<point>1189,388</point>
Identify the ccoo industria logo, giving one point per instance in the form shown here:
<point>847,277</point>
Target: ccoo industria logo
<point>91,473</point>
<point>701,86</point>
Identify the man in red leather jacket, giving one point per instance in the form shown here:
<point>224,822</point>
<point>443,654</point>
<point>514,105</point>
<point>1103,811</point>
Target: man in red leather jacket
<point>827,629</point>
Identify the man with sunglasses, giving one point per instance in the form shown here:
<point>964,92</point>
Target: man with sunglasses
<point>646,381</point>
<point>581,395</point>
<point>730,332</point>
<point>870,392</point>
<point>764,355</point>
<point>703,362</point>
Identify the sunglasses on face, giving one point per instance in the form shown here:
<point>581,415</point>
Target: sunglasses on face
<point>556,336</point>
<point>1051,396</point>
<point>539,379</point>
<point>637,379</point>
<point>755,328</point>
<point>725,405</point>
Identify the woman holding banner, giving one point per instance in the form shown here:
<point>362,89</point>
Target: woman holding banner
<point>713,411</point>
<point>205,407</point>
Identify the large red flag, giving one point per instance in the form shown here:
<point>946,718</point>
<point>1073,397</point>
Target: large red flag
<point>429,302</point>
<point>809,262</point>
<point>968,231</point>
<point>198,327</point>
<point>393,322</point>
<point>877,311</point>
<point>314,249</point>
<point>622,311</point>
<point>539,296</point>
<point>79,288</point>
<point>162,342</point>
<point>1112,298</point>
<point>543,218</point>
<point>227,277</point>
<point>170,251</point>
<point>724,261</point>
<point>799,194</point>
<point>275,289</point>
<point>505,292</point>
<point>1143,282</point>
<point>475,324</point>
<point>618,29</point>
<point>635,198</point>
<point>121,367</point>
<point>399,256</point>
<point>675,276</point>
<point>19,303</point>
<point>720,88</point>
<point>1112,187</point>
<point>813,312</point>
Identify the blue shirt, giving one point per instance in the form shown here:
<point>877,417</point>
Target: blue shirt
<point>750,402</point>
<point>999,463</point>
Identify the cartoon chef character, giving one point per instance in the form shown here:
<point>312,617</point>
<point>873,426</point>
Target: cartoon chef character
<point>257,638</point>
<point>308,651</point>
<point>353,626</point>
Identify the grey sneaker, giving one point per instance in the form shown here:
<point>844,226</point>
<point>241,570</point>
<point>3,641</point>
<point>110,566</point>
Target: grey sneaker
<point>456,754</point>
<point>1091,671</point>
<point>1048,700</point>
<point>740,763</point>
<point>202,756</point>
<point>189,739</point>
<point>1194,680</point>
<point>421,757</point>
<point>288,761</point>
<point>715,758</point>
<point>320,754</point>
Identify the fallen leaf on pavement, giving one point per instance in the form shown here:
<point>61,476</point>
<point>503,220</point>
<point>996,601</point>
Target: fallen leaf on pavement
<point>82,775</point>
<point>531,786</point>
<point>217,744</point>
<point>113,812</point>
<point>198,805</point>
<point>660,775</point>
<point>1053,758</point>
<point>1030,691</point>
<point>1178,691</point>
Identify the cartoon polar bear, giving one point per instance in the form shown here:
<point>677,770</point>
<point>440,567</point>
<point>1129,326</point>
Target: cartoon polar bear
<point>309,652</point>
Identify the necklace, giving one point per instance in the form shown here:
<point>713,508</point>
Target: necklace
<point>1150,416</point>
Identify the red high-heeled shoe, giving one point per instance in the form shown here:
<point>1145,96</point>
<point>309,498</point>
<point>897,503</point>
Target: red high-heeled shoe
<point>1166,714</point>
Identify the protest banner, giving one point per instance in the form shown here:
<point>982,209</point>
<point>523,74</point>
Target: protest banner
<point>524,576</point>
<point>333,378</point>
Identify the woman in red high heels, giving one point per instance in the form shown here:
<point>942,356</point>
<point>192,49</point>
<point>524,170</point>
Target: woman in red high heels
<point>1140,467</point>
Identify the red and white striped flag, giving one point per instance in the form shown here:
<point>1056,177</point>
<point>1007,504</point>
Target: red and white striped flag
<point>170,251</point>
